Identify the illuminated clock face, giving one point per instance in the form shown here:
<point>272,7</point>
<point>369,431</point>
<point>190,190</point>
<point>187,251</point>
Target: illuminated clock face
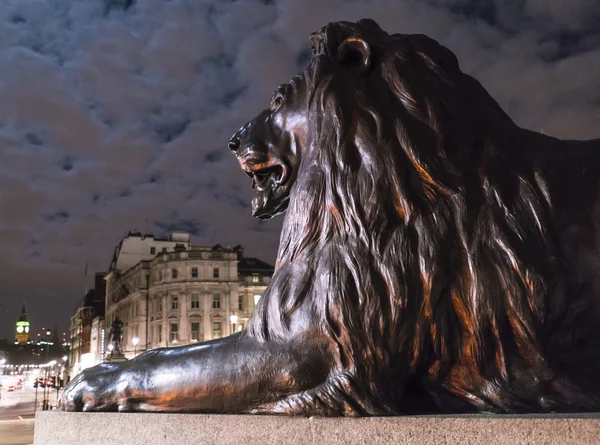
<point>26,328</point>
<point>20,329</point>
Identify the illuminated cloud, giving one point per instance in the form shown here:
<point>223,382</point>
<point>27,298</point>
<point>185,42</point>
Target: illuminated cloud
<point>115,115</point>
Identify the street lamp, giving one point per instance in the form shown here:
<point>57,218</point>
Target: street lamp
<point>234,320</point>
<point>46,393</point>
<point>135,342</point>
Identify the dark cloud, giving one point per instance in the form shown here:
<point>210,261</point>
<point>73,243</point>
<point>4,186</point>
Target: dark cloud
<point>60,216</point>
<point>67,163</point>
<point>115,115</point>
<point>175,224</point>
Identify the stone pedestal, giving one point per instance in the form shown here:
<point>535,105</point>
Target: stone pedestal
<point>59,428</point>
<point>115,358</point>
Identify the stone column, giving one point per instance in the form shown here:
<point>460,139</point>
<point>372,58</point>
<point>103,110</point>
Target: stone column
<point>165,320</point>
<point>226,305</point>
<point>206,319</point>
<point>184,323</point>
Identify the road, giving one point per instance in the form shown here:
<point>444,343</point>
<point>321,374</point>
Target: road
<point>16,415</point>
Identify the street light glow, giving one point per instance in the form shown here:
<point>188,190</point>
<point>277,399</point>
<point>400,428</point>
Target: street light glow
<point>135,341</point>
<point>233,319</point>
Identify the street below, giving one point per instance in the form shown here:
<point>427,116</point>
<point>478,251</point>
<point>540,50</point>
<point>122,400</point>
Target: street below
<point>17,414</point>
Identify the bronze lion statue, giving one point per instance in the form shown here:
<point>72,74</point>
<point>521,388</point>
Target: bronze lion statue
<point>435,257</point>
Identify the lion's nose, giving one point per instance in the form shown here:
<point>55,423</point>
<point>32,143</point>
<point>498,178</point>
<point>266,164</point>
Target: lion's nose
<point>234,143</point>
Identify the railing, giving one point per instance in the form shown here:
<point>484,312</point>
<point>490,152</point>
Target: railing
<point>196,254</point>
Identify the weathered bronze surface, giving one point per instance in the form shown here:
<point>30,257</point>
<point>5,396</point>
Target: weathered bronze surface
<point>435,257</point>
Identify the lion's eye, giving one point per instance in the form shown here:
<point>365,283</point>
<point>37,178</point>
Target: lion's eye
<point>276,102</point>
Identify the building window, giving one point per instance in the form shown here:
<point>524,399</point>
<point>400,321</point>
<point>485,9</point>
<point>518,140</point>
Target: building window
<point>194,272</point>
<point>174,337</point>
<point>159,332</point>
<point>216,301</point>
<point>216,329</point>
<point>255,279</point>
<point>152,250</point>
<point>195,331</point>
<point>241,302</point>
<point>215,272</point>
<point>195,300</point>
<point>174,273</point>
<point>256,298</point>
<point>174,302</point>
<point>164,250</point>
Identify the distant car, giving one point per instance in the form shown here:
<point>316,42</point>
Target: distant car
<point>11,388</point>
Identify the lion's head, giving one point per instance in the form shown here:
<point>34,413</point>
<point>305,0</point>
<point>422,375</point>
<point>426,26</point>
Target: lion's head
<point>269,147</point>
<point>365,85</point>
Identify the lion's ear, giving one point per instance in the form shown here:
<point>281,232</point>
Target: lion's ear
<point>355,54</point>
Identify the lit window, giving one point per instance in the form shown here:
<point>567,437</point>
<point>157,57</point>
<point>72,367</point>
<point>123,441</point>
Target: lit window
<point>195,300</point>
<point>195,331</point>
<point>216,329</point>
<point>174,302</point>
<point>216,301</point>
<point>255,279</point>
<point>194,272</point>
<point>174,337</point>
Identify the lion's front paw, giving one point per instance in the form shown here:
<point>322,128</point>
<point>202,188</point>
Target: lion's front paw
<point>94,389</point>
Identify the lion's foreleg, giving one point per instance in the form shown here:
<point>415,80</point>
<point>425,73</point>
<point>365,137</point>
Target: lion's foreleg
<point>233,374</point>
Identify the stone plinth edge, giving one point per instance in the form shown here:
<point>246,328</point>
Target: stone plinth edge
<point>59,428</point>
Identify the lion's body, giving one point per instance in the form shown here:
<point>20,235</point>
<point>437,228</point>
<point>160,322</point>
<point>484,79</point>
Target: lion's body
<point>447,253</point>
<point>435,257</point>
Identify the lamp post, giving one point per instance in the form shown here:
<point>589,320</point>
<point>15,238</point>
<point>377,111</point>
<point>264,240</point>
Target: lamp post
<point>62,371</point>
<point>234,320</point>
<point>147,346</point>
<point>46,394</point>
<point>135,342</point>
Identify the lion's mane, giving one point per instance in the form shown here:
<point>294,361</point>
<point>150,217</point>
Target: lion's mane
<point>418,238</point>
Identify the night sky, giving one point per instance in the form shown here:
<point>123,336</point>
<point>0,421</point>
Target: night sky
<point>116,118</point>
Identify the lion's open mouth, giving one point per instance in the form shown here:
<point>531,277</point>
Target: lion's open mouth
<point>271,180</point>
<point>270,176</point>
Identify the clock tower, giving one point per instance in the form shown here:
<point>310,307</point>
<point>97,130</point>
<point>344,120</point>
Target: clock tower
<point>22,328</point>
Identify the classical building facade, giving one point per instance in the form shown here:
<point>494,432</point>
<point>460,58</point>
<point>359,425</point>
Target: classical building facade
<point>170,293</point>
<point>86,328</point>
